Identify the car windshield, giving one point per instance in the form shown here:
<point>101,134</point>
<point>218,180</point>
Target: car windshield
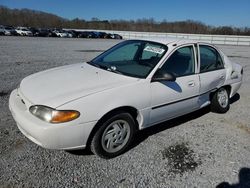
<point>134,58</point>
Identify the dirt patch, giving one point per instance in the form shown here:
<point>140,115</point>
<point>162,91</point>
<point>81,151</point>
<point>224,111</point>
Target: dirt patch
<point>244,128</point>
<point>19,144</point>
<point>4,93</point>
<point>22,62</point>
<point>180,158</point>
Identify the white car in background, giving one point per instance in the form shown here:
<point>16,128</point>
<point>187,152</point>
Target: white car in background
<point>132,86</point>
<point>61,33</point>
<point>4,31</point>
<point>23,31</point>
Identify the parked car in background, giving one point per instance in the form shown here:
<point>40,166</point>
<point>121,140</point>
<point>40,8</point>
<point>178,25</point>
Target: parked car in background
<point>116,36</point>
<point>11,30</point>
<point>34,31</point>
<point>51,33</point>
<point>43,32</point>
<point>104,35</point>
<point>82,34</point>
<point>1,30</point>
<point>69,34</point>
<point>72,33</point>
<point>60,33</point>
<point>134,85</point>
<point>23,31</point>
<point>7,30</point>
<point>100,35</point>
<point>87,34</point>
<point>55,32</point>
<point>39,32</point>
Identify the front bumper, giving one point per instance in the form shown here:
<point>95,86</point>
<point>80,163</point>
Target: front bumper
<point>70,135</point>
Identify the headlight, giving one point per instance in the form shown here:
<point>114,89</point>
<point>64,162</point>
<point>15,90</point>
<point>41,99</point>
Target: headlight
<point>52,115</point>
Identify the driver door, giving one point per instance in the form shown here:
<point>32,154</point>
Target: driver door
<point>172,99</point>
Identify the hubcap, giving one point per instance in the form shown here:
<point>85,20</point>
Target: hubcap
<point>222,97</point>
<point>115,136</point>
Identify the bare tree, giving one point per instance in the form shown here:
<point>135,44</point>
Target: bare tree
<point>31,18</point>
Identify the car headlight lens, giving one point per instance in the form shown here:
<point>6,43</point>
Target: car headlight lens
<point>52,115</point>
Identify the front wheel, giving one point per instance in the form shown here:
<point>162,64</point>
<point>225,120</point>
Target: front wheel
<point>220,101</point>
<point>113,136</point>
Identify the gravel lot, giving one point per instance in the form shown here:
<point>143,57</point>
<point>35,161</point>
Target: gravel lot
<point>202,149</point>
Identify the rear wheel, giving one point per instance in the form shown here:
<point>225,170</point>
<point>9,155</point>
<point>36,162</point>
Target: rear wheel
<point>113,136</point>
<point>220,101</point>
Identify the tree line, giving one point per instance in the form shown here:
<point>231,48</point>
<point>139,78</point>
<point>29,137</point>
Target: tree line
<point>32,18</point>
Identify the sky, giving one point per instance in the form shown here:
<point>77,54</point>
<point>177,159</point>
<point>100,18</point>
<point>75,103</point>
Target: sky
<point>211,12</point>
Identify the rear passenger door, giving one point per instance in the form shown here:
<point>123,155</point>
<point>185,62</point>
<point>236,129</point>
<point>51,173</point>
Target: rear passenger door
<point>212,72</point>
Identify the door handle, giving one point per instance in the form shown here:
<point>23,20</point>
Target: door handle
<point>191,84</point>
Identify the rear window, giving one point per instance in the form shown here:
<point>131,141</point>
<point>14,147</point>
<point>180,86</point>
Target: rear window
<point>210,59</point>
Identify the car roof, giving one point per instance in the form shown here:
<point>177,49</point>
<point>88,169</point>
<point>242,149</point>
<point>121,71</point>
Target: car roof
<point>169,40</point>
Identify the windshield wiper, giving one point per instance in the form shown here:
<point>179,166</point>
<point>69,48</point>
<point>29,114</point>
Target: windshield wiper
<point>113,69</point>
<point>105,67</point>
<point>98,65</point>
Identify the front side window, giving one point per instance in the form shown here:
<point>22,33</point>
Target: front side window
<point>181,62</point>
<point>134,58</point>
<point>210,59</point>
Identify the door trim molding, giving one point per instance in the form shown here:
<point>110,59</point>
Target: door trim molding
<point>181,100</point>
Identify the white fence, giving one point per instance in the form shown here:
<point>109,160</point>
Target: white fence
<point>215,39</point>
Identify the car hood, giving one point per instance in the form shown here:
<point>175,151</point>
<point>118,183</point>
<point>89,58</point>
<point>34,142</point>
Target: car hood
<point>57,86</point>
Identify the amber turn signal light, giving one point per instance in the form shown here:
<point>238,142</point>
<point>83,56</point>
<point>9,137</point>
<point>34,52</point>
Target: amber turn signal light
<point>64,116</point>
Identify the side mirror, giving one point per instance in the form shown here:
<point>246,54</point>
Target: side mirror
<point>162,75</point>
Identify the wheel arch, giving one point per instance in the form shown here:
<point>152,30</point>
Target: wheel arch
<point>227,87</point>
<point>129,109</point>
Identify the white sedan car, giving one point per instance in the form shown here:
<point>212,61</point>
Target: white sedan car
<point>61,34</point>
<point>133,85</point>
<point>23,31</point>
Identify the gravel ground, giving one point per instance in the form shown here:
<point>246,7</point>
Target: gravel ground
<point>202,149</point>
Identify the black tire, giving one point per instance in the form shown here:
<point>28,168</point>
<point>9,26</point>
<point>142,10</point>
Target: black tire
<point>97,144</point>
<point>216,105</point>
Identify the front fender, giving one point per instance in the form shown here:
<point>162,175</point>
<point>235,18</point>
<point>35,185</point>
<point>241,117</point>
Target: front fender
<point>94,107</point>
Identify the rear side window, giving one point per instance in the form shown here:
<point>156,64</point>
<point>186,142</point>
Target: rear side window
<point>210,59</point>
<point>181,62</point>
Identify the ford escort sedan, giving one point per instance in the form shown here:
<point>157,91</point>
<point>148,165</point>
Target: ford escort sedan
<point>135,84</point>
